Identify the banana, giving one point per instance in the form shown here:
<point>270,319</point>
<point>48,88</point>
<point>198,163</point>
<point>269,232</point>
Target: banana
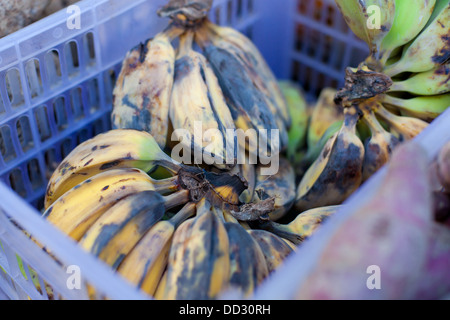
<point>337,172</point>
<point>159,293</point>
<point>411,16</point>
<point>248,267</point>
<point>119,148</point>
<point>378,148</point>
<point>325,113</point>
<point>433,82</point>
<point>430,49</point>
<point>145,264</point>
<point>426,108</point>
<point>443,166</point>
<point>407,127</point>
<point>198,108</point>
<point>303,226</point>
<point>281,186</point>
<point>199,263</point>
<point>257,68</point>
<point>144,86</point>
<point>298,111</point>
<point>248,104</point>
<point>79,208</point>
<point>275,249</point>
<point>361,15</point>
<point>118,230</point>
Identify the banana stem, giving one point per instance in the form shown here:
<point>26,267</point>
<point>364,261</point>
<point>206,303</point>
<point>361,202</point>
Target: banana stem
<point>176,199</point>
<point>283,231</point>
<point>186,41</point>
<point>373,124</point>
<point>201,36</point>
<point>166,185</point>
<point>185,213</point>
<point>173,31</point>
<point>394,101</point>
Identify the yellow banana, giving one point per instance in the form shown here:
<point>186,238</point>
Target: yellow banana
<point>199,113</point>
<point>118,230</point>
<point>433,82</point>
<point>337,172</point>
<point>430,49</point>
<point>144,85</point>
<point>303,226</point>
<point>112,149</point>
<point>411,16</point>
<point>145,264</point>
<point>76,211</point>
<point>426,108</point>
<point>281,186</point>
<point>275,249</point>
<point>199,263</point>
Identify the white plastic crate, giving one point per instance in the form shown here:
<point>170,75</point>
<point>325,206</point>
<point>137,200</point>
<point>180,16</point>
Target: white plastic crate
<point>56,91</point>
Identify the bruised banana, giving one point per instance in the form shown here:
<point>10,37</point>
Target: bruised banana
<point>337,172</point>
<point>199,262</point>
<point>145,264</point>
<point>303,226</point>
<point>257,67</point>
<point>78,209</point>
<point>430,48</point>
<point>410,18</point>
<point>298,112</point>
<point>274,248</point>
<point>433,82</point>
<point>119,148</point>
<point>144,86</point>
<point>248,104</point>
<point>358,15</point>
<point>426,108</point>
<point>407,127</point>
<point>378,148</point>
<point>280,185</point>
<point>198,111</point>
<point>118,230</point>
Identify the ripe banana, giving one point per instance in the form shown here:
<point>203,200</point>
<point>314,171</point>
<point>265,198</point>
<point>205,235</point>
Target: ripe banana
<point>144,86</point>
<point>199,262</point>
<point>298,112</point>
<point>247,103</point>
<point>433,82</point>
<point>361,15</point>
<point>430,49</point>
<point>426,108</point>
<point>411,16</point>
<point>198,108</point>
<point>248,267</point>
<point>79,208</point>
<point>443,166</point>
<point>275,249</point>
<point>303,226</point>
<point>257,67</point>
<point>281,186</point>
<point>145,264</point>
<point>325,113</point>
<point>407,127</point>
<point>118,230</point>
<point>379,147</point>
<point>119,148</point>
<point>337,172</point>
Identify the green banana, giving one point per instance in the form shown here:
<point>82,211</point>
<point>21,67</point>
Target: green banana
<point>430,49</point>
<point>411,16</point>
<point>337,172</point>
<point>119,148</point>
<point>198,110</point>
<point>145,264</point>
<point>298,111</point>
<point>144,86</point>
<point>426,108</point>
<point>118,230</point>
<point>433,82</point>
